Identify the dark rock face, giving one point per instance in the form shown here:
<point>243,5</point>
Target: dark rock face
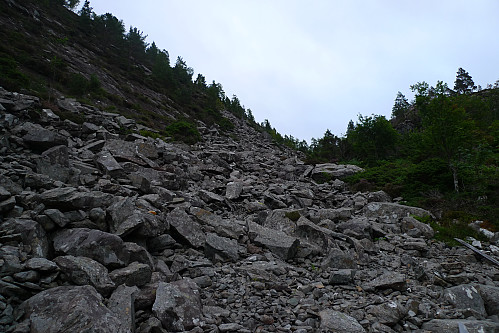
<point>178,305</point>
<point>85,271</point>
<point>108,249</point>
<point>106,232</point>
<point>70,309</point>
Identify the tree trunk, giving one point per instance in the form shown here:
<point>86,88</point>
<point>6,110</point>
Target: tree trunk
<point>454,176</point>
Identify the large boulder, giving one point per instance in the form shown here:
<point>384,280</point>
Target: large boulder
<point>338,322</point>
<point>279,243</point>
<point>388,280</point>
<point>106,248</point>
<point>390,212</point>
<point>460,325</point>
<point>54,162</point>
<point>29,233</point>
<point>40,139</point>
<point>126,218</point>
<point>467,298</point>
<point>178,305</point>
<point>70,309</point>
<point>225,228</point>
<point>221,248</point>
<point>83,271</point>
<point>69,198</point>
<point>490,296</point>
<point>106,162</point>
<point>185,229</point>
<point>330,171</point>
<point>121,303</point>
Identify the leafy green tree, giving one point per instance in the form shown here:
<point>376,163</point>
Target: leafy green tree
<point>152,52</point>
<point>249,116</point>
<point>136,42</point>
<point>200,81</point>
<point>401,105</point>
<point>464,83</point>
<point>110,29</point>
<point>161,70</point>
<point>447,130</point>
<point>86,15</point>
<point>181,72</point>
<point>373,139</point>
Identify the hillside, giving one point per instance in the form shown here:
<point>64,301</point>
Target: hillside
<point>109,222</point>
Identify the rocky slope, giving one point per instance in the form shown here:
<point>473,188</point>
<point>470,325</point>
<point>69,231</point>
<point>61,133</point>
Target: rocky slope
<point>105,232</point>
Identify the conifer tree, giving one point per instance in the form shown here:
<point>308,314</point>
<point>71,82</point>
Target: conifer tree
<point>464,83</point>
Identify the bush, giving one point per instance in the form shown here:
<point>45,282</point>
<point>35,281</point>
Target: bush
<point>10,76</point>
<point>225,124</point>
<point>184,131</point>
<point>77,85</point>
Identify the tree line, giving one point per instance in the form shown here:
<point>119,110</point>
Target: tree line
<point>442,144</point>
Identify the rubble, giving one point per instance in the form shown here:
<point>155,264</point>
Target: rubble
<point>232,234</point>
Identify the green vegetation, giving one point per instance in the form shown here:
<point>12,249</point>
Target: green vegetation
<point>293,216</point>
<point>184,131</point>
<point>453,225</point>
<point>446,160</point>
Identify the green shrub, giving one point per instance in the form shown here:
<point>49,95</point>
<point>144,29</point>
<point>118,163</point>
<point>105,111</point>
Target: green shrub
<point>150,134</point>
<point>10,76</point>
<point>225,124</point>
<point>94,84</point>
<point>77,85</point>
<point>184,131</point>
<point>452,225</point>
<point>293,216</point>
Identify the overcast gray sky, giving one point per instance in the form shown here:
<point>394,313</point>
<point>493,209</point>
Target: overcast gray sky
<point>312,65</point>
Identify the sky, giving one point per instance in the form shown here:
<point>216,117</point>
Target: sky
<point>312,65</point>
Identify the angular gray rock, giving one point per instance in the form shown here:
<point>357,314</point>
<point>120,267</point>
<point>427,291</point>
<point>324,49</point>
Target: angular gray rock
<point>389,313</point>
<point>388,280</point>
<point>106,248</point>
<point>490,296</point>
<point>221,248</point>
<point>121,304</point>
<point>185,228</point>
<point>233,190</point>
<point>452,325</point>
<point>54,162</point>
<point>70,309</point>
<point>467,298</point>
<point>329,171</point>
<point>338,322</point>
<point>223,227</point>
<point>341,276</point>
<point>390,212</point>
<point>135,274</point>
<point>339,259</point>
<point>85,271</point>
<point>414,228</point>
<point>69,198</point>
<point>106,162</point>
<point>282,245</point>
<point>30,234</point>
<point>41,139</point>
<point>178,305</point>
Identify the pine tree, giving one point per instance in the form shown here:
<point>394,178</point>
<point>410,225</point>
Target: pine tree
<point>401,105</point>
<point>464,83</point>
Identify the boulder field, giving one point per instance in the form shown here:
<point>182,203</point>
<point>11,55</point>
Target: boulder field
<point>106,230</point>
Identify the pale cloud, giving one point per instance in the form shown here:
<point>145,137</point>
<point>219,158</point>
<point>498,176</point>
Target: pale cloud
<point>312,65</point>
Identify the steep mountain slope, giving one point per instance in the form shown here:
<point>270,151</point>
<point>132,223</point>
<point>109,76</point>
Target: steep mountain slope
<point>48,51</point>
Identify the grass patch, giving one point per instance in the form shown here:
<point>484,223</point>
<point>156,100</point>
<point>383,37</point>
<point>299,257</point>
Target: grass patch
<point>453,225</point>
